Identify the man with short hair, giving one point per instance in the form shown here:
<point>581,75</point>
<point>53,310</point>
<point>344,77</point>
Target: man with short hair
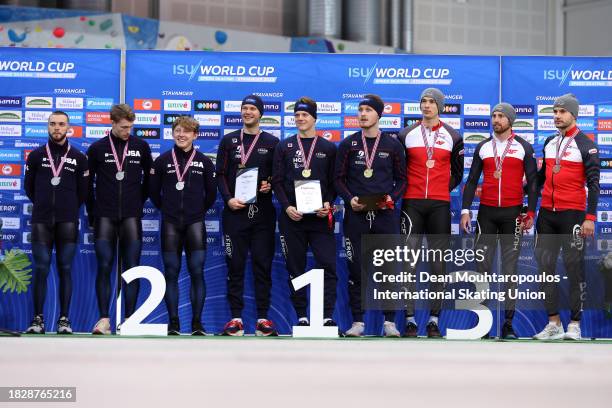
<point>368,163</point>
<point>434,160</point>
<point>183,187</point>
<point>56,181</point>
<point>504,159</point>
<point>571,161</point>
<point>299,159</point>
<point>248,226</point>
<point>120,165</point>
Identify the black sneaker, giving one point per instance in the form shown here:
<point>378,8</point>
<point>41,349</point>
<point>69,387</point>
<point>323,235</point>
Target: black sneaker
<point>433,332</point>
<point>411,330</point>
<point>174,328</point>
<point>197,329</point>
<point>303,322</point>
<point>37,326</point>
<point>63,326</point>
<point>331,323</point>
<point>508,332</point>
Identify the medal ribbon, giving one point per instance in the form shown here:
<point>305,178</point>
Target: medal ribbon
<point>370,157</point>
<point>56,170</point>
<point>429,149</point>
<point>125,150</point>
<point>245,157</point>
<point>180,176</point>
<point>310,153</point>
<point>499,161</point>
<point>559,156</point>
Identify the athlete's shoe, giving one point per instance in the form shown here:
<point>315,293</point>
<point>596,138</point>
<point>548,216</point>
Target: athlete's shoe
<point>37,326</point>
<point>507,332</point>
<point>356,330</point>
<point>330,323</point>
<point>390,330</point>
<point>411,330</point>
<point>197,329</point>
<point>552,331</point>
<point>102,327</point>
<point>433,331</point>
<point>265,328</point>
<point>303,322</point>
<point>174,327</point>
<point>63,326</point>
<point>573,331</point>
<point>233,328</point>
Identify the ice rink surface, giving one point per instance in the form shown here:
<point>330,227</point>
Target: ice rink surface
<point>285,372</point>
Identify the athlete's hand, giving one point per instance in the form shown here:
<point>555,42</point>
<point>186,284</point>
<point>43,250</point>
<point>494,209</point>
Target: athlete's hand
<point>587,229</point>
<point>294,214</point>
<point>527,222</point>
<point>235,204</point>
<point>265,187</point>
<point>356,206</point>
<point>322,212</point>
<point>466,223</point>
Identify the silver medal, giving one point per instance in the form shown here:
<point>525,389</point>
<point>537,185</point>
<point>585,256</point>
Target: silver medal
<point>55,181</point>
<point>180,185</point>
<point>120,175</point>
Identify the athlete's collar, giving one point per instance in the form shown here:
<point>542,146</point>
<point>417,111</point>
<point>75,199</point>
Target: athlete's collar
<point>433,129</point>
<point>573,131</point>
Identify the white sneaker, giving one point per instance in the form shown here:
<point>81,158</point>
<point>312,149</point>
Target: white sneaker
<point>390,330</point>
<point>356,330</point>
<point>102,327</point>
<point>552,331</point>
<point>573,331</point>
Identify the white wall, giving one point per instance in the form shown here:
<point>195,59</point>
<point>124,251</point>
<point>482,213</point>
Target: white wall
<point>588,27</point>
<point>506,27</point>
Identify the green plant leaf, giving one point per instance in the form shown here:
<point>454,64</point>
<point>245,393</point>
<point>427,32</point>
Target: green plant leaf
<point>15,274</point>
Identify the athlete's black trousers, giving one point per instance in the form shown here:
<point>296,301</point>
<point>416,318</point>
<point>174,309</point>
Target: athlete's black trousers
<point>128,233</point>
<point>355,225</point>
<point>250,229</point>
<point>560,229</point>
<point>44,236</point>
<point>296,237</point>
<point>432,218</point>
<point>503,221</point>
<point>192,239</point>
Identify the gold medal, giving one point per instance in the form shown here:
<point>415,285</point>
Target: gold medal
<point>430,163</point>
<point>497,174</point>
<point>368,173</point>
<point>306,173</point>
<point>241,166</point>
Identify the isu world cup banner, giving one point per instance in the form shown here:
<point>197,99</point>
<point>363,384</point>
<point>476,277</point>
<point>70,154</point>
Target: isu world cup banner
<point>34,83</point>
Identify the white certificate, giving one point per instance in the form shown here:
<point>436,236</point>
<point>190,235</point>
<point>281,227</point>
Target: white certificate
<point>308,196</point>
<point>246,185</point>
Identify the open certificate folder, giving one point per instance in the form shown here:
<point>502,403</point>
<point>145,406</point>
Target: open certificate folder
<point>308,196</point>
<point>246,185</point>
